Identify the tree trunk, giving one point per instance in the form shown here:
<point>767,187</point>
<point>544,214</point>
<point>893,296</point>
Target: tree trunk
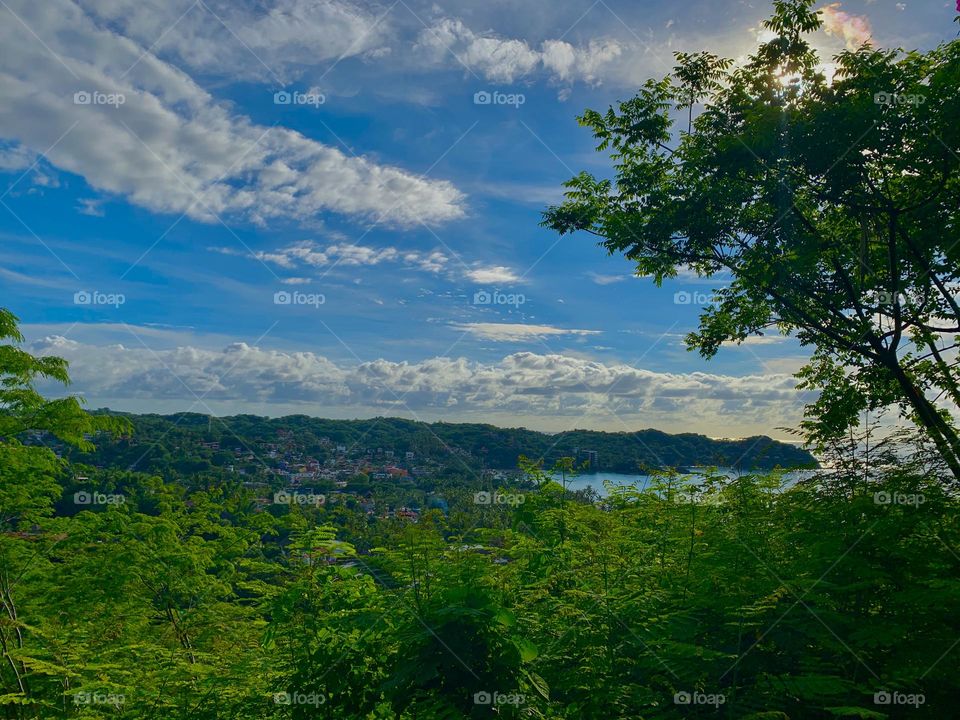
<point>943,435</point>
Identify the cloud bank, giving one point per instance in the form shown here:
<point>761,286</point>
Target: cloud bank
<point>554,388</point>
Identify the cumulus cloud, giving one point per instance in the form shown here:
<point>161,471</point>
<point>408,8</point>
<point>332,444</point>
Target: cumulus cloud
<point>169,146</point>
<point>522,384</point>
<point>506,60</point>
<point>568,63</point>
<point>854,29</point>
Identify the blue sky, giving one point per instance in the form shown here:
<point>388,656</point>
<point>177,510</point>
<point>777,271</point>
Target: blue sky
<point>188,240</point>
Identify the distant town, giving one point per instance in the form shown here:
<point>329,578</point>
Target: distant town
<point>385,467</point>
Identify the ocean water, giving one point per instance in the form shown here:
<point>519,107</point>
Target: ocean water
<point>597,480</point>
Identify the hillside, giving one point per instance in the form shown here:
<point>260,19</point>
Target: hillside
<point>473,443</point>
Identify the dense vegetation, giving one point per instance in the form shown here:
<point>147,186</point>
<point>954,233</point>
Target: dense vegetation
<point>126,595</point>
<point>178,438</point>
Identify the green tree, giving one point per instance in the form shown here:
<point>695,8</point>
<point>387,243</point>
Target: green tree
<point>29,487</point>
<point>833,205</point>
<point>23,408</point>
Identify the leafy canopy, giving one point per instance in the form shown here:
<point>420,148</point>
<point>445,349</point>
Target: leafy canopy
<point>830,205</point>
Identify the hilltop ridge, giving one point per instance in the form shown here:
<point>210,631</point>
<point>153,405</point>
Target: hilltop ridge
<point>484,444</point>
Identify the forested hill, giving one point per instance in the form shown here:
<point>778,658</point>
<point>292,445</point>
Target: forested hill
<point>486,445</point>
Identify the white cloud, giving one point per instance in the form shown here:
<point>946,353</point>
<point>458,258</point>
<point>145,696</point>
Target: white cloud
<point>242,377</point>
<point>506,60</point>
<point>758,340</point>
<point>170,146</point>
<point>16,157</point>
<point>499,60</point>
<point>569,63</point>
<point>493,274</point>
<point>91,206</point>
<point>307,254</point>
<point>514,332</point>
<point>854,29</point>
<point>601,279</point>
<point>271,41</point>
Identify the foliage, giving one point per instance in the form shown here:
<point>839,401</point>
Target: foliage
<point>830,204</point>
<point>175,444</point>
<point>755,596</point>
